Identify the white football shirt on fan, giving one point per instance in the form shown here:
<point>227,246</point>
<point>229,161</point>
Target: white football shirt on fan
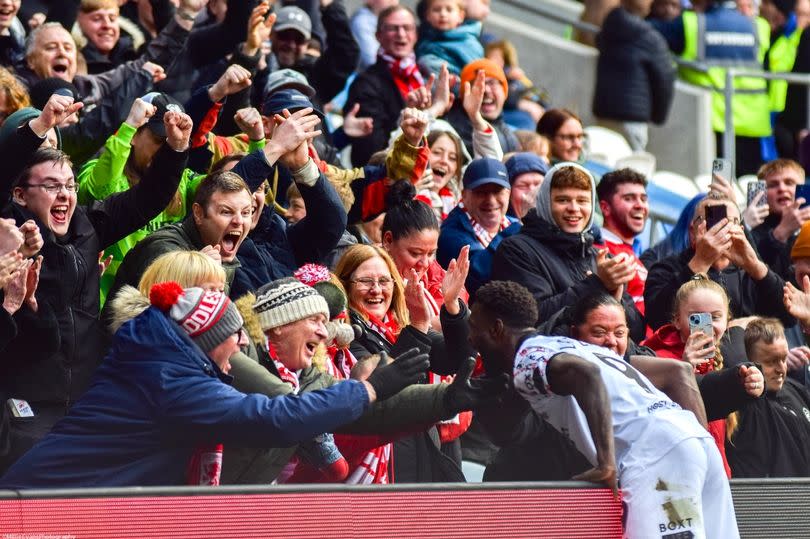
<point>645,421</point>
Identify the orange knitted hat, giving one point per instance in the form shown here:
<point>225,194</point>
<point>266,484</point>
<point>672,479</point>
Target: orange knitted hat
<point>491,69</point>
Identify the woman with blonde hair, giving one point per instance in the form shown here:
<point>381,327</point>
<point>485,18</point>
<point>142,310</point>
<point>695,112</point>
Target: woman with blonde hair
<point>394,316</point>
<point>678,340</point>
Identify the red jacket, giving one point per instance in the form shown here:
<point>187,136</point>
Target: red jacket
<point>666,342</point>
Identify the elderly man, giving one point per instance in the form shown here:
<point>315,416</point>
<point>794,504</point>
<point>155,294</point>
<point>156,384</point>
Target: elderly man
<point>52,52</point>
<point>382,88</point>
<point>177,352</point>
<point>773,434</point>
<point>479,221</point>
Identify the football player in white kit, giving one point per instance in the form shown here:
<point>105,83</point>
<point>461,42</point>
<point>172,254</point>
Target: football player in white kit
<point>665,462</point>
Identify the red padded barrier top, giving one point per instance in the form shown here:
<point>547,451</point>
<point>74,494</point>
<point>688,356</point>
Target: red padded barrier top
<point>488,514</point>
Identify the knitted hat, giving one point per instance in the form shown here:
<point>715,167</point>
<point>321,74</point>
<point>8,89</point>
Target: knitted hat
<point>801,248</point>
<point>524,162</point>
<point>207,316</point>
<point>23,116</point>
<point>287,300</point>
<point>491,69</point>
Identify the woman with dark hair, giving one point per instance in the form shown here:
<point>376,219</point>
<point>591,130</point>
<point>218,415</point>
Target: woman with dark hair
<point>410,234</point>
<point>447,160</point>
<point>564,131</point>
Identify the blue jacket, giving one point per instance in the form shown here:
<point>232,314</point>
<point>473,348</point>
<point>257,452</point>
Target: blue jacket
<point>457,232</point>
<point>154,400</point>
<point>458,47</point>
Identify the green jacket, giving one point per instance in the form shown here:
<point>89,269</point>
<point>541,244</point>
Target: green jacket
<point>102,177</point>
<point>414,405</point>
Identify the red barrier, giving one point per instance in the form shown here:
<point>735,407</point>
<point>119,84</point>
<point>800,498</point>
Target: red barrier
<point>480,513</point>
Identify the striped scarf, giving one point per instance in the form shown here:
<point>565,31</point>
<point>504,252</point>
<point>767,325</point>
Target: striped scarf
<point>404,71</point>
<point>481,234</point>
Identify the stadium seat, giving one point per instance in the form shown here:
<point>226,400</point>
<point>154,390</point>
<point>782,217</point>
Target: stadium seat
<point>642,162</point>
<point>675,183</point>
<point>606,146</point>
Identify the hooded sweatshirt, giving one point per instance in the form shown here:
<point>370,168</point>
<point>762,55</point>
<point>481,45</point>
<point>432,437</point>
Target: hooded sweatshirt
<point>558,268</point>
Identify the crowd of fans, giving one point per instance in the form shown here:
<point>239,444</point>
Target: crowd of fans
<point>199,289</point>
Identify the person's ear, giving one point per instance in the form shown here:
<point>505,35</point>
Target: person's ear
<point>497,330</point>
<point>17,196</point>
<point>604,207</point>
<point>198,212</point>
<point>387,239</point>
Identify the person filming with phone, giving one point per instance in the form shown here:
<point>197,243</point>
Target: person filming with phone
<point>720,249</point>
<point>700,320</point>
<point>788,210</point>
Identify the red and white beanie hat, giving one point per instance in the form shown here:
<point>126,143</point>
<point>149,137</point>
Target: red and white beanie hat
<point>207,316</point>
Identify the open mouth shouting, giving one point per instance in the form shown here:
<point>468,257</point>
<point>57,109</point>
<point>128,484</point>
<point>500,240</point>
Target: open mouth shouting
<point>60,68</point>
<point>230,244</point>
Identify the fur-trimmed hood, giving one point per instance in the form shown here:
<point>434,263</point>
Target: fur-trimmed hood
<point>126,305</point>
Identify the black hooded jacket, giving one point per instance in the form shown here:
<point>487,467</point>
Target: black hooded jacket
<point>558,268</point>
<point>635,76</point>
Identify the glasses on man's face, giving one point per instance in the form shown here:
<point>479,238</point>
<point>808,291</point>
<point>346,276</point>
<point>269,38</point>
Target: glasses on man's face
<point>367,283</point>
<point>52,188</point>
<point>579,137</point>
<point>395,28</point>
<point>241,336</point>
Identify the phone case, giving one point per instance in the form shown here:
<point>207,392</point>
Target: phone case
<point>755,188</point>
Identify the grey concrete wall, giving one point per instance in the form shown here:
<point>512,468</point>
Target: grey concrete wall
<point>568,71</point>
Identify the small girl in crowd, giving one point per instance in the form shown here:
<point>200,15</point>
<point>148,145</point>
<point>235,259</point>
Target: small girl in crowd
<point>447,37</point>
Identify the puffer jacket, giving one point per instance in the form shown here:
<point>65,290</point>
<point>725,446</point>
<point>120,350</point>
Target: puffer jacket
<point>156,398</point>
<point>635,75</point>
<point>69,287</point>
<point>558,268</point>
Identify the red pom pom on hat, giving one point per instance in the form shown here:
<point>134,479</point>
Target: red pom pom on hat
<point>165,295</point>
<point>309,274</point>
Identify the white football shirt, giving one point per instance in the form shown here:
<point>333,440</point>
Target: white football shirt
<point>646,423</point>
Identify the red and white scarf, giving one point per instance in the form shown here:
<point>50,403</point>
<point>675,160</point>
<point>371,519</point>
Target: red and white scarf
<point>286,375</point>
<point>387,327</point>
<point>404,71</point>
<point>481,234</point>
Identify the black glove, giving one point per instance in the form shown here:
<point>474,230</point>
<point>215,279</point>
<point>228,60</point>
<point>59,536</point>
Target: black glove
<point>389,379</point>
<point>466,394</point>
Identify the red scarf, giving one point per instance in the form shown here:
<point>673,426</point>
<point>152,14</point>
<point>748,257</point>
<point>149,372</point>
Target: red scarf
<point>404,71</point>
<point>481,234</point>
<point>388,327</point>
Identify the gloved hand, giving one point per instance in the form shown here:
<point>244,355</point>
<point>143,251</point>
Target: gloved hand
<point>466,394</point>
<point>388,379</point>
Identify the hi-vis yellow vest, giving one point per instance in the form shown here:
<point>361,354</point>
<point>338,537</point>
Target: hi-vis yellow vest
<point>781,57</point>
<point>750,104</point>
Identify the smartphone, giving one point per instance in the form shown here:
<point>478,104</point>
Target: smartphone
<point>701,323</point>
<point>803,191</point>
<point>724,168</point>
<point>714,214</point>
<point>754,189</point>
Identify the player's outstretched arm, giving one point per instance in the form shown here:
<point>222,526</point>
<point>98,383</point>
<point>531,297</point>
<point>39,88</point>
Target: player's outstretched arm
<point>571,375</point>
<point>676,379</point>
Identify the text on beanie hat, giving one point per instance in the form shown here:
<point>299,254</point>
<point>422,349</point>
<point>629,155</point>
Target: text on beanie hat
<point>287,300</point>
<point>490,68</point>
<point>207,316</point>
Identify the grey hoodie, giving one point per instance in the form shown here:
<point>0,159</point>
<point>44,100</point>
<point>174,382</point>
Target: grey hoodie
<point>543,200</point>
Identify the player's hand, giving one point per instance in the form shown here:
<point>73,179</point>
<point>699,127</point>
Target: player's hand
<point>601,474</point>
